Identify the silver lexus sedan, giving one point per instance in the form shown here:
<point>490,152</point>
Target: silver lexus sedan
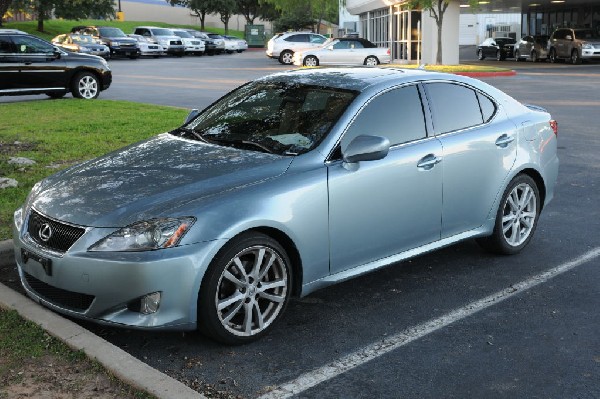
<point>286,185</point>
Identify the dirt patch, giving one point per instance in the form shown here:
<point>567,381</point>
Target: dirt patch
<point>56,378</point>
<point>16,147</point>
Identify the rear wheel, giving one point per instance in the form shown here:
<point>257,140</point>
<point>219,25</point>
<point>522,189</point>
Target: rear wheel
<point>85,85</point>
<point>480,55</point>
<point>552,56</point>
<point>516,219</point>
<point>286,57</point>
<point>371,61</point>
<point>245,289</point>
<point>310,61</point>
<point>517,56</point>
<point>500,56</point>
<point>534,56</point>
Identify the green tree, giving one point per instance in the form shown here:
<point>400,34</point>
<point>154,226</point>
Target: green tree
<point>4,6</point>
<point>438,9</point>
<point>200,8</point>
<point>300,13</point>
<point>225,8</point>
<point>252,9</point>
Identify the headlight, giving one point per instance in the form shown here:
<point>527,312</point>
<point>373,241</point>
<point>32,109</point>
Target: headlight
<point>116,44</point>
<point>586,46</point>
<point>146,236</point>
<point>84,50</point>
<point>18,218</point>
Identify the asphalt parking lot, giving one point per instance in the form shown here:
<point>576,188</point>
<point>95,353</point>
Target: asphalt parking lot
<point>454,323</point>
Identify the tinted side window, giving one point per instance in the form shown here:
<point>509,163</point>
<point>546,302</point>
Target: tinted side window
<point>6,45</point>
<point>396,114</point>
<point>453,107</point>
<point>317,39</point>
<point>488,108</point>
<point>31,45</point>
<point>297,38</point>
<point>559,34</point>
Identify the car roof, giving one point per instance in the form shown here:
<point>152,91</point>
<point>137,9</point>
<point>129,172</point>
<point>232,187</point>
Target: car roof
<point>12,31</point>
<point>352,78</point>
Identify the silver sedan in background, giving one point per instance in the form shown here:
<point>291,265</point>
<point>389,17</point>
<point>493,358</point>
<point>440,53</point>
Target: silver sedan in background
<point>343,51</point>
<point>286,185</point>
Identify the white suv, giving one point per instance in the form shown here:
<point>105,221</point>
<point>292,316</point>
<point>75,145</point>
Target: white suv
<point>283,45</point>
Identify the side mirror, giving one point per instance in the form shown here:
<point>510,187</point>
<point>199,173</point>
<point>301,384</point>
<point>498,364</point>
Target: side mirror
<point>366,148</point>
<point>193,113</point>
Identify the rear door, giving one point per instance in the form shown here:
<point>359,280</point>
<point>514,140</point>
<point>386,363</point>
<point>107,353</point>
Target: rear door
<point>479,150</point>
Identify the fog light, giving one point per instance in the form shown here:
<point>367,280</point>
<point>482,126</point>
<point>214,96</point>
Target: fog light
<point>147,304</point>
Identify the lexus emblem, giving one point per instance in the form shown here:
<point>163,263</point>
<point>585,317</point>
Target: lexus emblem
<point>45,232</point>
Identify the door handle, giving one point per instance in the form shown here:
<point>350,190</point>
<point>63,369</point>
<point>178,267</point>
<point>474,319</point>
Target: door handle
<point>428,162</point>
<point>504,140</point>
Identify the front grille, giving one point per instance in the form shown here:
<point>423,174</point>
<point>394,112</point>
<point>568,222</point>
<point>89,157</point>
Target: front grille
<point>57,296</point>
<point>128,45</point>
<point>61,236</point>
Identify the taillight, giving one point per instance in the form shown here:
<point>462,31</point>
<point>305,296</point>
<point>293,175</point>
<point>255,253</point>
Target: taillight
<point>554,126</point>
<point>389,52</point>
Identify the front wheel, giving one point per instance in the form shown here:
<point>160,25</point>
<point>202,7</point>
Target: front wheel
<point>499,56</point>
<point>371,61</point>
<point>517,56</point>
<point>311,61</point>
<point>534,56</point>
<point>480,55</point>
<point>575,58</point>
<point>85,85</point>
<point>245,290</point>
<point>516,219</point>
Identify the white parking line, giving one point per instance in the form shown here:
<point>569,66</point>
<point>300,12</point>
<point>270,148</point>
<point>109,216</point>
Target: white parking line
<point>373,351</point>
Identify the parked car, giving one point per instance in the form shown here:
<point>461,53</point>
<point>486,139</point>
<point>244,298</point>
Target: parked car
<point>574,45</point>
<point>169,42</point>
<point>344,51</point>
<point>240,44</point>
<point>532,48</point>
<point>113,38</point>
<point>500,48</point>
<point>30,65</point>
<point>209,44</point>
<point>193,45</point>
<point>148,46</point>
<point>218,40</point>
<point>85,44</point>
<point>283,45</point>
<point>286,185</point>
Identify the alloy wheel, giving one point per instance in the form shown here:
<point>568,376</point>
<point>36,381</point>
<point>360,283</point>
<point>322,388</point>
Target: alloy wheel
<point>519,214</point>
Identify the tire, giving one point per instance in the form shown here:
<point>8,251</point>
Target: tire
<point>534,57</point>
<point>311,61</point>
<point>499,56</point>
<point>56,94</point>
<point>229,294</point>
<point>516,219</point>
<point>480,55</point>
<point>517,56</point>
<point>85,85</point>
<point>552,56</point>
<point>239,51</point>
<point>134,57</point>
<point>575,58</point>
<point>371,61</point>
<point>286,57</point>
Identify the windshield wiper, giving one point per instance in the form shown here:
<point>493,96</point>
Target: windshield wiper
<point>193,133</point>
<point>245,143</point>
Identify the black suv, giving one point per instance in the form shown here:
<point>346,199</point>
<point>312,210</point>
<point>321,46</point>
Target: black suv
<point>30,65</point>
<point>119,43</point>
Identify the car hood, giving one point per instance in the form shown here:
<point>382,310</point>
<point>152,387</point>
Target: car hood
<point>150,179</point>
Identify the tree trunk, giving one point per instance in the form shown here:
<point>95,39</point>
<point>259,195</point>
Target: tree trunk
<point>438,58</point>
<point>202,18</point>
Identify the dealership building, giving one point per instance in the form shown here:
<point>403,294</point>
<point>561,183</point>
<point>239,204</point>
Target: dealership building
<point>412,34</point>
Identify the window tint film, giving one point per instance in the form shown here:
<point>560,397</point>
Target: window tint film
<point>453,107</point>
<point>396,114</point>
<point>6,45</point>
<point>31,45</point>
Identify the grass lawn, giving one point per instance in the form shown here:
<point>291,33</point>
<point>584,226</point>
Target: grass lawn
<point>56,27</point>
<point>59,133</point>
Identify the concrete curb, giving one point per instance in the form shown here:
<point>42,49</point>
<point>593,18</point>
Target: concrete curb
<point>486,74</point>
<point>120,363</point>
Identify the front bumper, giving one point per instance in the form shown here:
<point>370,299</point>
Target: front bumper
<point>99,286</point>
<point>590,54</point>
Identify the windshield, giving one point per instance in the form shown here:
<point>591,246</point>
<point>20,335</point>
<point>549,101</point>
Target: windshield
<point>586,34</point>
<point>182,33</point>
<point>111,32</point>
<point>83,39</point>
<point>279,118</point>
<point>162,32</point>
